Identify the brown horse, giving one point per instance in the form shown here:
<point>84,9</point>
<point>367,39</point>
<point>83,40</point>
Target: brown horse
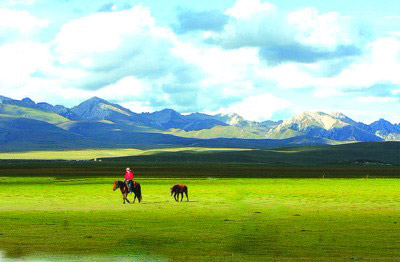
<point>124,190</point>
<point>179,189</point>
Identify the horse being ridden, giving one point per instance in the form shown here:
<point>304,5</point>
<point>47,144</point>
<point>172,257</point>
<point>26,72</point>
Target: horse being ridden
<point>179,189</point>
<point>136,189</point>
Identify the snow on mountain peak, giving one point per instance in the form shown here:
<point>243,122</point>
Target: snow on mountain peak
<point>338,115</point>
<point>320,119</point>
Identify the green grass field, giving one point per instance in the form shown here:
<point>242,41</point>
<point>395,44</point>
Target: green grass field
<point>89,154</point>
<point>68,211</point>
<point>383,153</point>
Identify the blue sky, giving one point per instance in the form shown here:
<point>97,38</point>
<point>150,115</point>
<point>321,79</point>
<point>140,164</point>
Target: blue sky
<point>260,59</point>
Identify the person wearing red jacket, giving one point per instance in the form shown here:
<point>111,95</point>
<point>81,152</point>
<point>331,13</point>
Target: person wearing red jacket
<point>128,179</point>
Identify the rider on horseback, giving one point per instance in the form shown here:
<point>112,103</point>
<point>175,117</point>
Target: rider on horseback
<point>128,179</point>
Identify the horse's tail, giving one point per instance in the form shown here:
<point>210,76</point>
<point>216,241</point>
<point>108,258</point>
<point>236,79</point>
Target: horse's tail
<point>139,192</point>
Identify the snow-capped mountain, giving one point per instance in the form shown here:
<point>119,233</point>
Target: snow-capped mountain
<point>85,117</point>
<point>334,126</point>
<point>385,130</point>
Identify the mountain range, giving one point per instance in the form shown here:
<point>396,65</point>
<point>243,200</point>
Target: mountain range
<point>97,123</point>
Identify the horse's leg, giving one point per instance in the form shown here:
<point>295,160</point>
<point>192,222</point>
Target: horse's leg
<point>176,196</point>
<point>127,198</point>
<point>182,196</point>
<point>187,197</point>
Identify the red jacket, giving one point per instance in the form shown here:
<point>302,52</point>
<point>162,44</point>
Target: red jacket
<point>128,175</point>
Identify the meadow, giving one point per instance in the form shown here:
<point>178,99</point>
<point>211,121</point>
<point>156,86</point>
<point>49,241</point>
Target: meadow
<point>245,212</point>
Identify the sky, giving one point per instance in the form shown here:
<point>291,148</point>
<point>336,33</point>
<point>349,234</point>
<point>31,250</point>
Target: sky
<point>260,59</point>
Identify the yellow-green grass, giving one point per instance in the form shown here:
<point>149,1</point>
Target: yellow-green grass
<point>225,220</point>
<point>101,153</point>
<point>17,111</point>
<point>221,132</point>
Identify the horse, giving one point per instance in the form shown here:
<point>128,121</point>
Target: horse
<point>124,190</point>
<point>179,189</point>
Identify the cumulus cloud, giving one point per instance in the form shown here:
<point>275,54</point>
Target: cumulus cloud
<point>121,55</point>
<point>258,107</point>
<point>110,46</point>
<point>20,61</point>
<point>304,36</point>
<point>252,59</point>
<point>375,70</point>
<point>327,30</point>
<point>246,9</point>
<point>17,24</point>
<point>21,2</point>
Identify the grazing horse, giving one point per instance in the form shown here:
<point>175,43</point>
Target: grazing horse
<point>124,190</point>
<point>179,189</point>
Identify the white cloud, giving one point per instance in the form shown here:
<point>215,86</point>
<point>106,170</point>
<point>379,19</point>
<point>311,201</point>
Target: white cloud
<point>263,25</point>
<point>21,2</point>
<point>225,68</point>
<point>108,46</point>
<point>127,57</point>
<point>375,99</point>
<point>102,33</point>
<point>119,56</point>
<point>256,108</point>
<point>126,88</point>
<point>245,9</point>
<point>138,107</point>
<point>289,75</point>
<point>379,64</point>
<point>20,60</point>
<point>327,30</point>
<point>370,114</point>
<point>385,51</point>
<point>17,23</point>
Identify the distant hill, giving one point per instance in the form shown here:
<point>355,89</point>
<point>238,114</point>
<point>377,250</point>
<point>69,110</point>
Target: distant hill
<point>22,134</point>
<point>220,132</point>
<point>319,124</point>
<point>97,123</point>
<point>357,154</point>
<point>29,103</point>
<point>168,118</point>
<point>12,111</point>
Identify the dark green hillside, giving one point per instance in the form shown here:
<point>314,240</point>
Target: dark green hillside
<point>22,134</point>
<point>353,154</point>
<point>123,139</point>
<point>97,128</point>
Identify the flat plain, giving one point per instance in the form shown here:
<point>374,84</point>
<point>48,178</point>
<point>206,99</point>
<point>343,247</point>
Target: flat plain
<point>68,211</point>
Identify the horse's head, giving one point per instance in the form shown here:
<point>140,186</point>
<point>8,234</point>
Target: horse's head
<point>115,185</point>
<point>173,189</point>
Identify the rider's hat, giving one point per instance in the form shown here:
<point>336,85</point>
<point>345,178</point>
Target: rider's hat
<point>128,169</point>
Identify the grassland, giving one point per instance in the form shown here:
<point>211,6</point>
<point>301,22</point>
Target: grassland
<point>383,153</point>
<point>362,153</point>
<point>222,132</point>
<point>226,219</point>
<point>90,154</point>
<point>237,212</point>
